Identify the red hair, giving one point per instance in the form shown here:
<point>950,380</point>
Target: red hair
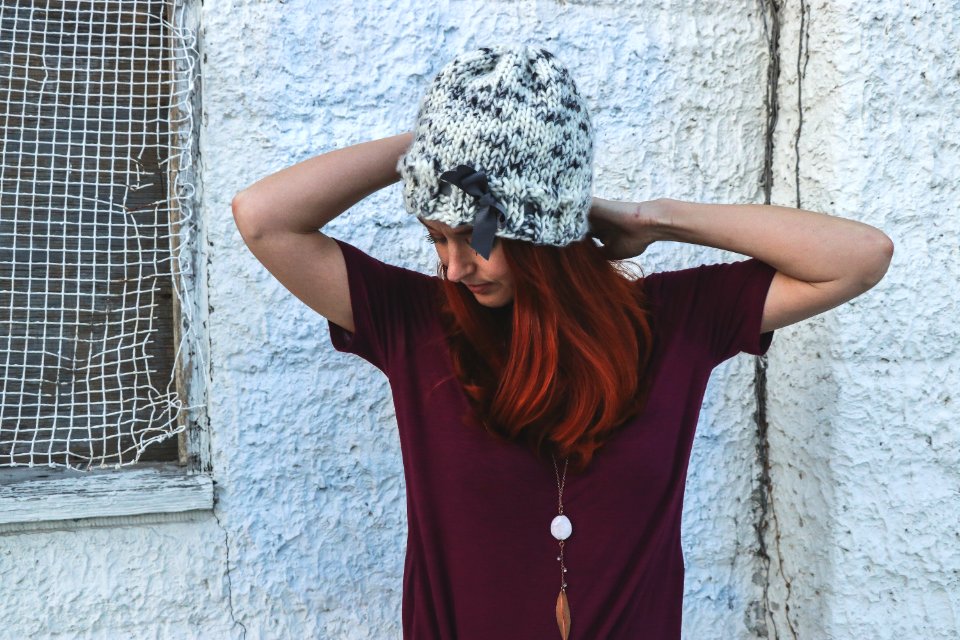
<point>563,366</point>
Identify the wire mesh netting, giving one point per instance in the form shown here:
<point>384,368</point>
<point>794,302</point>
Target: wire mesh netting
<point>94,211</point>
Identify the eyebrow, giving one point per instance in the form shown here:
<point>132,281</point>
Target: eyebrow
<point>458,232</point>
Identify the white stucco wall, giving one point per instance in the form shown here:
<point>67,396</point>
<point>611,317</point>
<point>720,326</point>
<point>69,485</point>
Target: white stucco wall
<point>309,528</point>
<point>863,400</point>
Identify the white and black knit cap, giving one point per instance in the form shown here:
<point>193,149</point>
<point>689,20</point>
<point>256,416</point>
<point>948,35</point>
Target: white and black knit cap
<point>503,141</point>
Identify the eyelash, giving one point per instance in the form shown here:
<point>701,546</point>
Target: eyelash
<point>433,240</point>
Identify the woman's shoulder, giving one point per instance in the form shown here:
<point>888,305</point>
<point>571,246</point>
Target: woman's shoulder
<point>705,277</point>
<point>720,304</point>
<point>367,265</point>
<point>698,291</point>
<point>390,293</point>
<point>393,308</point>
<point>654,284</point>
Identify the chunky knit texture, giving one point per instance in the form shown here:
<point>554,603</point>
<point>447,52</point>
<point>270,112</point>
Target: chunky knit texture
<point>514,113</point>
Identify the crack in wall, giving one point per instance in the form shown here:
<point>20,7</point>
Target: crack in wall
<point>764,497</point>
<point>226,544</point>
<point>770,10</point>
<point>803,56</point>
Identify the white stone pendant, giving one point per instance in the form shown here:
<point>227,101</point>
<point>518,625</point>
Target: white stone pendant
<point>561,528</point>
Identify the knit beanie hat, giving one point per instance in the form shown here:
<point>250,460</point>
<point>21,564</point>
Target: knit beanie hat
<point>503,141</point>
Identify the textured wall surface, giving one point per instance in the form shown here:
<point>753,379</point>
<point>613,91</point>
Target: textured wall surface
<point>865,446</point>
<point>859,530</point>
<point>159,581</point>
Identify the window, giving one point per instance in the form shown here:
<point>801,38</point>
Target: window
<point>96,340</point>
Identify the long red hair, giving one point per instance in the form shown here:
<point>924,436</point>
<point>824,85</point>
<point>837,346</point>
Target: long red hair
<point>563,366</point>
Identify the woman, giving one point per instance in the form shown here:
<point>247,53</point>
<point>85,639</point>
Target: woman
<point>532,354</point>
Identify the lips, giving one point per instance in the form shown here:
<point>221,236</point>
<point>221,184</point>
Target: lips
<point>480,288</point>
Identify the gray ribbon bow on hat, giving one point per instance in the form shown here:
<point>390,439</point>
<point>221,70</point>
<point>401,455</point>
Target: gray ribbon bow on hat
<point>485,220</point>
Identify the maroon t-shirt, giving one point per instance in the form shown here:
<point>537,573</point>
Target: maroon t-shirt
<point>481,563</point>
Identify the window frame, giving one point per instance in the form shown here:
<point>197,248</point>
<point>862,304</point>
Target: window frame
<point>41,497</point>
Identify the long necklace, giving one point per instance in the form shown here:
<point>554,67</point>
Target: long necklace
<point>561,528</point>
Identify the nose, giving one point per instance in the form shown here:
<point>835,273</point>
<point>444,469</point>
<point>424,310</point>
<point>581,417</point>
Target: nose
<point>460,261</point>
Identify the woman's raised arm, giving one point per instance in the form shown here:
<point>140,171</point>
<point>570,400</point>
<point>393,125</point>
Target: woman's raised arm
<point>279,218</point>
<point>822,261</point>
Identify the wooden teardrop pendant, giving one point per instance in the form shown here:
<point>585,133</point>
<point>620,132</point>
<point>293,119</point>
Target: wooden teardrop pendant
<point>563,615</point>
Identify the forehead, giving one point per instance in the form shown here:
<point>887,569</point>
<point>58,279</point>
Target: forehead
<point>440,227</point>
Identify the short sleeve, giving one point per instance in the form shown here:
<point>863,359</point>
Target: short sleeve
<point>389,305</point>
<point>720,305</point>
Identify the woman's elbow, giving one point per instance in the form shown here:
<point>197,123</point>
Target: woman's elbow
<point>880,254</point>
<point>238,204</point>
<point>242,215</point>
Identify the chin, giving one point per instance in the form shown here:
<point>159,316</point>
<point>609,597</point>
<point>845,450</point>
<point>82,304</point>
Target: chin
<point>494,302</point>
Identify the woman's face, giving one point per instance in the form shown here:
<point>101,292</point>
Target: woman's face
<point>489,280</point>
